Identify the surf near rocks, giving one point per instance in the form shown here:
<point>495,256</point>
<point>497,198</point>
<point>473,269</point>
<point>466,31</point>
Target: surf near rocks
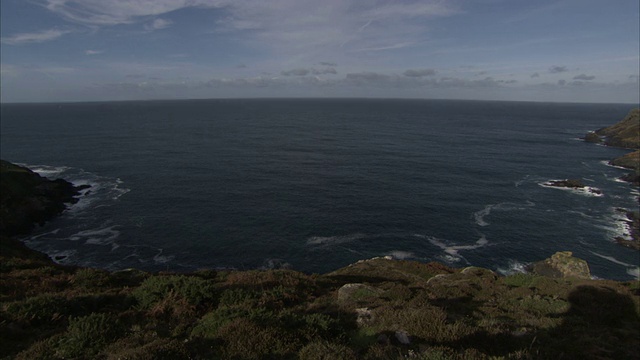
<point>29,199</point>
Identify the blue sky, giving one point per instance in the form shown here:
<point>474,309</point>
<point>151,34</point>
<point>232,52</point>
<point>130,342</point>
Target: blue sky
<point>542,50</point>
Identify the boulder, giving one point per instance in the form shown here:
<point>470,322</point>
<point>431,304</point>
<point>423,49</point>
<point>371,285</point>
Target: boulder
<point>562,265</point>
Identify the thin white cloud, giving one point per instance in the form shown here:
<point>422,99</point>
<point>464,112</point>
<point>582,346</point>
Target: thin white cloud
<point>158,24</point>
<point>93,52</point>
<point>114,12</point>
<point>288,27</point>
<point>35,37</point>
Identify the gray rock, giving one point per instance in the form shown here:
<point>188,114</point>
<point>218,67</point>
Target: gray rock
<point>562,265</point>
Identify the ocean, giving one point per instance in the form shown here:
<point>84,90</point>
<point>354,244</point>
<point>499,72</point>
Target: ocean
<point>317,184</point>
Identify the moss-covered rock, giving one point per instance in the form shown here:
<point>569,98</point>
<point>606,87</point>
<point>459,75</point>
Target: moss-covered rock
<point>562,265</point>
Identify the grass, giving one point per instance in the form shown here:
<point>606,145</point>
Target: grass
<point>446,313</point>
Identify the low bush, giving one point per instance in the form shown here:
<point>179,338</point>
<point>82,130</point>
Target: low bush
<point>195,290</point>
<point>86,336</point>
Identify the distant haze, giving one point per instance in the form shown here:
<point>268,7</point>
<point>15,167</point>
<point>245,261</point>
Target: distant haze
<point>99,50</point>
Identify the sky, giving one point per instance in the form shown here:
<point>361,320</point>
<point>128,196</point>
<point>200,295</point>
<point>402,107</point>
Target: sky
<point>516,50</point>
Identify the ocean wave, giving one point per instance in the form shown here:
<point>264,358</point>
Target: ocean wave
<point>480,215</point>
<point>401,255</point>
<point>514,267</point>
<point>632,269</point>
<point>452,251</point>
<point>339,239</point>
<point>102,189</point>
<point>162,259</point>
<point>99,236</point>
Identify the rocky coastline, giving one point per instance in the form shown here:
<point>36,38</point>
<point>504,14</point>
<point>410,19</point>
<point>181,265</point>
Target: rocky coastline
<point>624,134</point>
<point>28,199</point>
<point>374,309</point>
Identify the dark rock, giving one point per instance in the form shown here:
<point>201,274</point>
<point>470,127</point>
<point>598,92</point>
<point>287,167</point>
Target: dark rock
<point>568,183</point>
<point>27,199</point>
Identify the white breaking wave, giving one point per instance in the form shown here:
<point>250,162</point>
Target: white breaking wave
<point>515,267</point>
<point>401,255</point>
<point>101,187</point>
<point>100,236</point>
<point>452,250</point>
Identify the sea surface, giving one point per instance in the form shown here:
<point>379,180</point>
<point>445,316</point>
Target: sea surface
<point>317,184</point>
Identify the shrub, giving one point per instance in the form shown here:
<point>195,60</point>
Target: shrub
<point>243,339</point>
<point>91,278</point>
<point>519,280</point>
<point>40,309</point>
<point>323,350</point>
<point>195,290</point>
<point>88,335</point>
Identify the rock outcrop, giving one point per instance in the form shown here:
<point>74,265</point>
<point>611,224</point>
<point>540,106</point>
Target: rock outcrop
<point>625,133</point>
<point>562,265</point>
<point>28,199</point>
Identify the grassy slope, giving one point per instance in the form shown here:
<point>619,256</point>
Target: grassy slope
<point>625,133</point>
<point>51,311</point>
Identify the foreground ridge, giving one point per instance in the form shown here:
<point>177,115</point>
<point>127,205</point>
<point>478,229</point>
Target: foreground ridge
<point>374,309</point>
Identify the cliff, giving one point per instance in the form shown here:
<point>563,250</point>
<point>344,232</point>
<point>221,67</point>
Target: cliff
<point>374,309</point>
<point>28,199</point>
<point>625,133</point>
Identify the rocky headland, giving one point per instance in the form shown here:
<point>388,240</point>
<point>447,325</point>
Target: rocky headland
<point>28,199</point>
<point>625,134</point>
<point>374,309</point>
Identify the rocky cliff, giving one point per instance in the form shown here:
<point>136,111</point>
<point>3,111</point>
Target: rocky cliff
<point>28,199</point>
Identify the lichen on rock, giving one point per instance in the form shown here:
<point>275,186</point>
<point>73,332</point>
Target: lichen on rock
<point>562,265</point>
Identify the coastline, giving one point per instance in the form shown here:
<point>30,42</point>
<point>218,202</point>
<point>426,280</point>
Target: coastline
<point>376,308</point>
<point>624,134</point>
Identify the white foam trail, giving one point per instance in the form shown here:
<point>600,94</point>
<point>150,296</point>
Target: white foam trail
<point>160,259</point>
<point>52,232</point>
<point>606,162</point>
<point>46,170</point>
<point>613,260</point>
<point>632,269</point>
<point>480,215</point>
<point>452,250</point>
<point>515,267</point>
<point>340,239</point>
<point>401,255</point>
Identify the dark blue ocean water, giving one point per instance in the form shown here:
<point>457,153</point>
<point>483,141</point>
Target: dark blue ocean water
<point>319,184</point>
